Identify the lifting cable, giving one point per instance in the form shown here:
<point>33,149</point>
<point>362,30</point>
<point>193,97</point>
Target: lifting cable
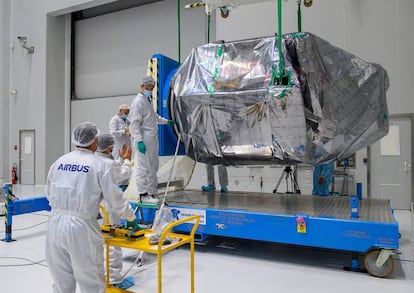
<point>279,42</point>
<point>299,14</point>
<point>280,77</point>
<point>220,48</point>
<point>179,30</point>
<point>208,27</point>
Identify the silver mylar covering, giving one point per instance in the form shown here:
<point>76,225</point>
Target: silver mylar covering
<point>231,108</point>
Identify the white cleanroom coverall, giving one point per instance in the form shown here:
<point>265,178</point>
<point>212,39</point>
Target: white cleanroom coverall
<point>144,127</point>
<point>117,128</point>
<point>122,172</point>
<point>222,173</point>
<point>75,186</point>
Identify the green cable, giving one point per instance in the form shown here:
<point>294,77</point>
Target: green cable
<point>179,30</point>
<point>279,40</point>
<point>299,17</point>
<point>208,27</point>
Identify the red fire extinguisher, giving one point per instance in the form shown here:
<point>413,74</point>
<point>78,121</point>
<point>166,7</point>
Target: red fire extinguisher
<point>14,174</point>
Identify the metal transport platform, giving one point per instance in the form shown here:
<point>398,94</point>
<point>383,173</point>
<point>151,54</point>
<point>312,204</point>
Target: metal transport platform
<point>361,226</point>
<point>336,222</point>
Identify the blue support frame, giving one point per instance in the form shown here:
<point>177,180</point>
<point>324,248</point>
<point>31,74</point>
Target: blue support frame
<point>167,138</point>
<point>8,214</point>
<point>14,207</point>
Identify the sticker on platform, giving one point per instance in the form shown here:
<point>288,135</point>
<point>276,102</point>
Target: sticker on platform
<point>300,224</point>
<point>180,213</point>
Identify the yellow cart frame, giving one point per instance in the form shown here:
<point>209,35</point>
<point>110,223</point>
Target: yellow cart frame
<point>158,249</point>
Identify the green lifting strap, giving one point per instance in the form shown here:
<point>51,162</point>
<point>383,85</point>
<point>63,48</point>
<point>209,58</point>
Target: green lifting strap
<point>299,17</point>
<point>208,27</point>
<point>216,69</point>
<point>179,30</point>
<point>279,40</point>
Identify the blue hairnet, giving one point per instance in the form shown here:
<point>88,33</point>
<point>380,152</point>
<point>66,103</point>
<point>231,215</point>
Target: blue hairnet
<point>84,134</point>
<point>105,141</point>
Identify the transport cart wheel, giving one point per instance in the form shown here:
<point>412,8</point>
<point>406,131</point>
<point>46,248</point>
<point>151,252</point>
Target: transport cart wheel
<point>370,264</point>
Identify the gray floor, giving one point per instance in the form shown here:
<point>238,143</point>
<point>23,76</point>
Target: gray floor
<point>222,265</point>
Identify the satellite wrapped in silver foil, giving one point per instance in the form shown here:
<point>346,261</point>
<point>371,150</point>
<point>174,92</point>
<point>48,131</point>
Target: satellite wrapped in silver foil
<point>231,110</point>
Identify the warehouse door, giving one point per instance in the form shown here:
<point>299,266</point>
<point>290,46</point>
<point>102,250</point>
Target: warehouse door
<point>27,157</point>
<point>390,173</point>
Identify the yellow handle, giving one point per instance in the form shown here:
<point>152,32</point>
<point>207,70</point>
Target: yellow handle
<point>105,214</point>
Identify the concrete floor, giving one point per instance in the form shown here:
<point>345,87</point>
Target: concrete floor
<point>221,265</point>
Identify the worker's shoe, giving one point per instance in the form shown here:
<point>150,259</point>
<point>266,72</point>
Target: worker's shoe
<point>125,284</point>
<point>208,187</point>
<point>224,189</point>
<point>147,198</point>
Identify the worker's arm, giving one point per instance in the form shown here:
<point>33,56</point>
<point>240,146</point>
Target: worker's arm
<point>122,166</point>
<point>162,120</point>
<point>135,117</point>
<point>113,195</point>
<point>47,185</point>
<point>114,128</point>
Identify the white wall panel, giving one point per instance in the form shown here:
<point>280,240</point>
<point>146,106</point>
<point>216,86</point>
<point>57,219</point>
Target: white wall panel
<point>99,111</point>
<point>4,89</point>
<point>403,79</point>
<point>112,50</point>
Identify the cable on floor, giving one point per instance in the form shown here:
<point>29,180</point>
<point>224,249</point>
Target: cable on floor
<point>30,262</point>
<point>26,228</point>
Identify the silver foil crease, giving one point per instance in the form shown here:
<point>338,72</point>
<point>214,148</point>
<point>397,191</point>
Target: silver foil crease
<point>231,110</point>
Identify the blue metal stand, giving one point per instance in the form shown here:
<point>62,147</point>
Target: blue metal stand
<point>14,207</point>
<point>359,190</point>
<point>354,204</point>
<point>167,139</point>
<point>8,214</point>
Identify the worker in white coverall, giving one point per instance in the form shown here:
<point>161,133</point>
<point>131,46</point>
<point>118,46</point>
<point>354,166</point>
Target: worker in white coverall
<point>122,171</point>
<point>75,186</point>
<point>144,132</point>
<point>223,179</point>
<point>119,128</point>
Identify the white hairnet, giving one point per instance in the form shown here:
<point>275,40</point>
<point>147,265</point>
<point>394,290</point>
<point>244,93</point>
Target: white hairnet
<point>148,81</point>
<point>123,107</point>
<point>105,141</point>
<point>84,134</point>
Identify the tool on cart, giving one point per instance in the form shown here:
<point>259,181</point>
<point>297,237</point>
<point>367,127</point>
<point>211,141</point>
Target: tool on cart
<point>120,231</point>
